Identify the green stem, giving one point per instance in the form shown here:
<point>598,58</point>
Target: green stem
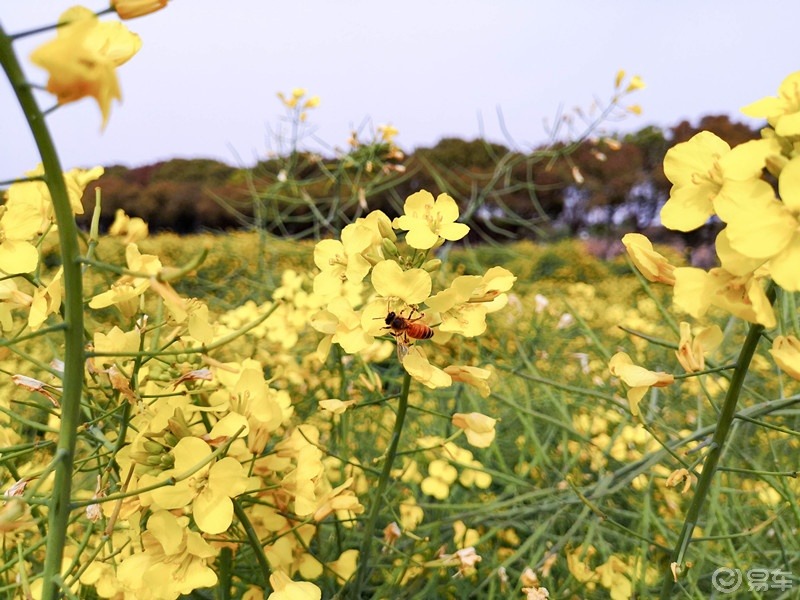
<point>58,514</point>
<point>225,563</point>
<point>383,481</point>
<point>714,453</point>
<point>252,538</point>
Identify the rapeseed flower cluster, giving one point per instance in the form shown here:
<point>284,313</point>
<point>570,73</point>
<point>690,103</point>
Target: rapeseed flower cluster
<point>366,277</point>
<point>754,190</point>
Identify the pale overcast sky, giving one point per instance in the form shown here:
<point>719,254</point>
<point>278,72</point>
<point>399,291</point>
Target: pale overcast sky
<point>204,83</point>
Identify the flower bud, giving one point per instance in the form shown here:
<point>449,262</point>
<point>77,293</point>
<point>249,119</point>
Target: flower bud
<point>389,248</point>
<point>153,447</point>
<point>140,457</point>
<point>178,425</point>
<point>775,164</point>
<point>386,230</point>
<point>129,9</point>
<point>432,265</point>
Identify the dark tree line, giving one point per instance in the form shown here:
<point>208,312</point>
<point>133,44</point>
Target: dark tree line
<point>600,184</point>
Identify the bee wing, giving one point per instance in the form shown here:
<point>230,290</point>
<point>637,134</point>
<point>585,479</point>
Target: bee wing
<point>402,350</point>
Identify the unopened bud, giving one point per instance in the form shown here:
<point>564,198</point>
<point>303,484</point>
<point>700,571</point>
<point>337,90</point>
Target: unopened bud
<point>432,265</point>
<point>140,457</point>
<point>171,439</point>
<point>178,425</point>
<point>386,230</point>
<point>389,248</point>
<point>153,447</point>
<point>775,164</point>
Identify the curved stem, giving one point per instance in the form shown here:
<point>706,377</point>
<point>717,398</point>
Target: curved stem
<point>58,514</point>
<point>716,447</point>
<point>377,501</point>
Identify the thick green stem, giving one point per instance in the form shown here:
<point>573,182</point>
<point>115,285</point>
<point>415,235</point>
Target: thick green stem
<point>59,509</point>
<point>716,447</point>
<point>252,537</point>
<point>383,481</point>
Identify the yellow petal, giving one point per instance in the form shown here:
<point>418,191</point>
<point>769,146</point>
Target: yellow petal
<point>213,512</point>
<point>390,281</point>
<point>688,207</point>
<point>785,268</point>
<point>786,352</point>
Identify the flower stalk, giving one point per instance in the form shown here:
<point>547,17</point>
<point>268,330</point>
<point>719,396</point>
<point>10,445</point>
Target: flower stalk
<point>377,504</point>
<point>724,423</point>
<point>59,508</point>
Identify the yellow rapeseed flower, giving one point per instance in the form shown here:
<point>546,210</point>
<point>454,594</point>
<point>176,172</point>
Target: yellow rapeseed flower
<point>19,222</point>
<point>651,264</point>
<point>133,228</point>
<point>441,475</point>
<point>786,352</point>
<point>637,378</point>
<point>427,221</point>
<point>783,111</point>
<point>478,428</point>
<point>417,365</point>
<point>709,178</point>
<point>130,9</point>
<point>286,589</point>
<point>767,228</point>
<point>412,286</point>
<point>697,290</point>
<point>83,57</point>
<point>692,349</point>
<point>174,559</point>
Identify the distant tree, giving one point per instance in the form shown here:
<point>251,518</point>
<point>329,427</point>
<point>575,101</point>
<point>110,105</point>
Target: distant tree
<point>648,195</point>
<point>732,132</point>
<point>195,170</point>
<point>454,153</point>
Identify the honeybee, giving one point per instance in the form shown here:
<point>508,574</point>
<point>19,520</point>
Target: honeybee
<point>405,329</point>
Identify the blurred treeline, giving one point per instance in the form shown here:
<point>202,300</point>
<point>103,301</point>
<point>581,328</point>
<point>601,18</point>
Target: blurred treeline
<point>597,185</point>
